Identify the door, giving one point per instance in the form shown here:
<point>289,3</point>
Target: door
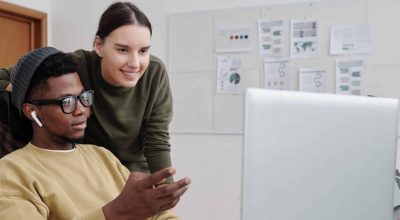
<point>22,30</point>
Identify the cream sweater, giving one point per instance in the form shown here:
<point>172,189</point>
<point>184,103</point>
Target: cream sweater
<point>40,184</point>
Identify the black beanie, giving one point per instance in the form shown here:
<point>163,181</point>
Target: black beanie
<point>22,73</point>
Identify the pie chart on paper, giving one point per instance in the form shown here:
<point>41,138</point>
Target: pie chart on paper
<point>234,78</point>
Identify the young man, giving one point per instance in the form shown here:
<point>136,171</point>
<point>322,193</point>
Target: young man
<point>54,178</point>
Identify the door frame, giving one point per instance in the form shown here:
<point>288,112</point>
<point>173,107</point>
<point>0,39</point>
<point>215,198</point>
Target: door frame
<point>39,20</point>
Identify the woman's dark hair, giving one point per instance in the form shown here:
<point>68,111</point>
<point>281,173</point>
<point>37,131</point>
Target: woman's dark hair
<point>120,14</point>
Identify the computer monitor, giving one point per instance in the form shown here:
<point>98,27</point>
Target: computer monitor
<point>311,156</point>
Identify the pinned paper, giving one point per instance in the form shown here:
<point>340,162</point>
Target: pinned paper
<point>303,39</point>
<point>228,75</point>
<point>312,80</point>
<point>350,77</point>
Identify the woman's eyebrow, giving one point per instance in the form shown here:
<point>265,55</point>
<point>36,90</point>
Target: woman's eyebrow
<point>146,47</point>
<point>120,45</point>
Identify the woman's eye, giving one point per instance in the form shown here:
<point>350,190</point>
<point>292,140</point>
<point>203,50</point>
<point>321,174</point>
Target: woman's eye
<point>144,51</point>
<point>122,50</point>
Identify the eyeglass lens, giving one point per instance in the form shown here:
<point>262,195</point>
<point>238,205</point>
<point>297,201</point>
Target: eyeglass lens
<point>69,103</point>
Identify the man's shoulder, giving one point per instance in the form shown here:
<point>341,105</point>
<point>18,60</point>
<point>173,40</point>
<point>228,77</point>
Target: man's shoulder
<point>17,159</point>
<point>19,153</point>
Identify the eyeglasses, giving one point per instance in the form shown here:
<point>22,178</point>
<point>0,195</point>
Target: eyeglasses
<point>68,103</point>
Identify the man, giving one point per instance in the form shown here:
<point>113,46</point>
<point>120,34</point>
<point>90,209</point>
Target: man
<point>54,178</point>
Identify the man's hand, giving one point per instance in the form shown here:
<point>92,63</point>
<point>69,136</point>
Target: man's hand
<point>140,198</point>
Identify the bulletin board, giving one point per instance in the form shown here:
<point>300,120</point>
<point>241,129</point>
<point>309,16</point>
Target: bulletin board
<point>193,55</point>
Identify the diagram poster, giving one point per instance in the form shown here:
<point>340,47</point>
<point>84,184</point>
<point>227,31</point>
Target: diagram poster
<point>228,75</point>
<point>270,35</point>
<point>312,80</point>
<point>349,77</point>
<point>276,74</point>
<point>303,41</point>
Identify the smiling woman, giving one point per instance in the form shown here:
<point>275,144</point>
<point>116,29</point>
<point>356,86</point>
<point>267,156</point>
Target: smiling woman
<point>124,59</point>
<point>132,107</point>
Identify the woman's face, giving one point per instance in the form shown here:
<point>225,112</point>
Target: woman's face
<point>125,54</point>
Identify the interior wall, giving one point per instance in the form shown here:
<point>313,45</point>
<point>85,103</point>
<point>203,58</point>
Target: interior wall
<point>40,5</point>
<point>71,33</point>
<point>75,23</point>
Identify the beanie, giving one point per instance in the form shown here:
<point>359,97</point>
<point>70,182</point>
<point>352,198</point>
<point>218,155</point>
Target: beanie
<point>23,71</point>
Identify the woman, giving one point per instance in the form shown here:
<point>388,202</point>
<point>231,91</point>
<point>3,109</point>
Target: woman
<point>133,104</point>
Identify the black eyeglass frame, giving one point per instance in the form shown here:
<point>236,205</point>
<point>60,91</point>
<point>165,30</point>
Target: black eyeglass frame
<point>60,101</point>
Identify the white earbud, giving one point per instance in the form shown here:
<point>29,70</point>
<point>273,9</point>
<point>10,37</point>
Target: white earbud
<point>36,119</point>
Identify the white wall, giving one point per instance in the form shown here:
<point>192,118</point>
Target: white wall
<point>40,5</point>
<point>182,6</point>
<point>75,23</point>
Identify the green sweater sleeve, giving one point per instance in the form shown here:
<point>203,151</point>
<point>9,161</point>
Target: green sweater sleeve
<point>156,138</point>
<point>4,78</point>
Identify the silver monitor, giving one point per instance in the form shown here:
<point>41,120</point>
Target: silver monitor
<point>314,156</point>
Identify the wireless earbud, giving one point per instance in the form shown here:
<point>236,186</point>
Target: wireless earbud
<point>36,119</point>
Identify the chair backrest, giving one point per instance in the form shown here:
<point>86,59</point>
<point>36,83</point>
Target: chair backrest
<point>15,130</point>
<point>7,142</point>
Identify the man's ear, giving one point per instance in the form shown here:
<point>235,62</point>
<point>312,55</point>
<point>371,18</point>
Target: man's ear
<point>98,45</point>
<point>27,109</point>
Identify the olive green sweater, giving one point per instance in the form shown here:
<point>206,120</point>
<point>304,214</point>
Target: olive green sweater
<point>131,122</point>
